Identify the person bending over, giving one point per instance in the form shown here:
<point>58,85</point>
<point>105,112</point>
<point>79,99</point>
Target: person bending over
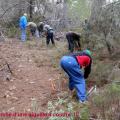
<point>49,32</point>
<point>40,27</point>
<point>73,41</point>
<point>33,28</point>
<point>73,64</point>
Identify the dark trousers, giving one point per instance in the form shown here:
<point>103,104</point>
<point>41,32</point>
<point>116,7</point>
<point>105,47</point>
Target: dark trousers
<point>50,37</point>
<point>33,30</point>
<point>70,43</point>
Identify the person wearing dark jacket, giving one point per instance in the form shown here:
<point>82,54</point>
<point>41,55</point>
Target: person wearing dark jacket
<point>73,64</point>
<point>73,40</point>
<point>40,28</point>
<point>49,32</point>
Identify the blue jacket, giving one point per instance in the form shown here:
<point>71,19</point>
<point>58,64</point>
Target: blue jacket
<point>23,22</point>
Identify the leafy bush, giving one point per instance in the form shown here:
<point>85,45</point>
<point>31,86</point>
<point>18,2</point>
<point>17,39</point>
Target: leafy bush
<point>12,32</point>
<point>73,109</point>
<point>84,113</point>
<point>108,103</point>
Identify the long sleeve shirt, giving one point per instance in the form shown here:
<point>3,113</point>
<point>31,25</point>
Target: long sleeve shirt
<point>84,60</point>
<point>23,22</point>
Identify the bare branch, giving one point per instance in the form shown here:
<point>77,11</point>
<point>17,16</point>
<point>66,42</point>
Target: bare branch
<point>8,10</point>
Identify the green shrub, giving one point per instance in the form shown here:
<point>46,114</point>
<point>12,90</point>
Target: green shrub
<point>84,113</point>
<point>74,109</point>
<point>12,32</point>
<point>108,102</point>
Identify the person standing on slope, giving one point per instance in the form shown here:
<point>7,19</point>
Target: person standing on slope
<point>23,26</point>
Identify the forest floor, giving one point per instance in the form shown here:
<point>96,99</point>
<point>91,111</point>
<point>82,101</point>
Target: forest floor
<point>32,68</point>
<point>26,72</point>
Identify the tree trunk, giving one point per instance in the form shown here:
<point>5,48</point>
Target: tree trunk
<point>31,9</point>
<point>65,24</point>
<point>108,45</point>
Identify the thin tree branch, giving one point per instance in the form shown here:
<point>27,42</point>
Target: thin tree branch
<point>8,10</point>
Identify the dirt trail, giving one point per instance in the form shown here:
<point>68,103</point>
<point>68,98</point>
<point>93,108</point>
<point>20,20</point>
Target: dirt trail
<point>32,70</point>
